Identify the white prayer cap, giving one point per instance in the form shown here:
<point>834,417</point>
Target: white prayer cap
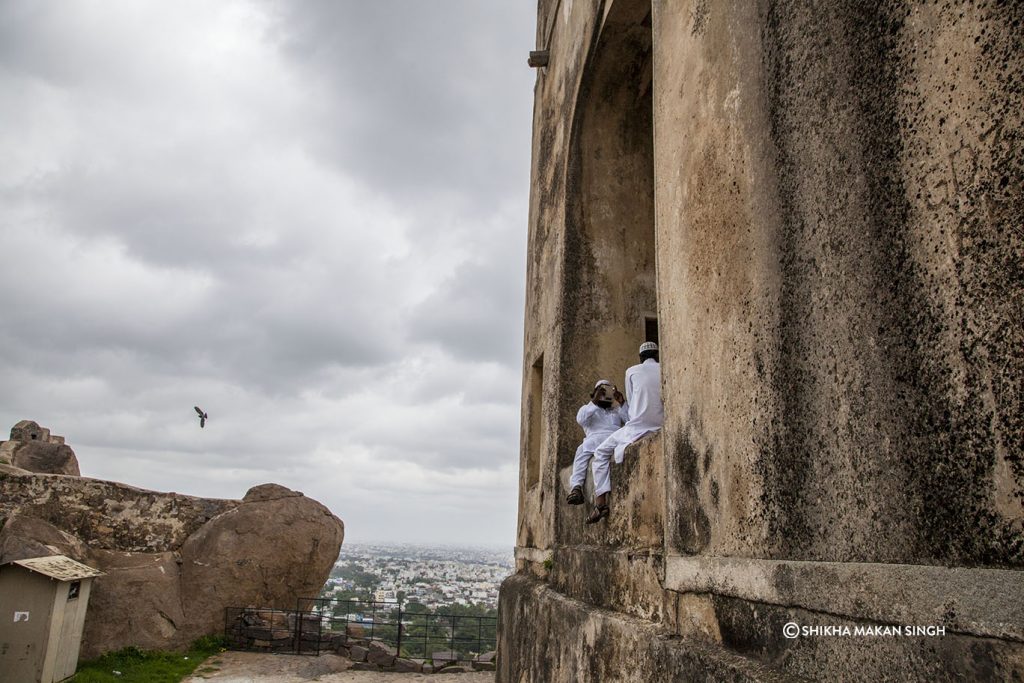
<point>648,346</point>
<point>603,381</point>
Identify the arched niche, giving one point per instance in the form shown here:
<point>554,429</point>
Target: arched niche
<point>610,302</point>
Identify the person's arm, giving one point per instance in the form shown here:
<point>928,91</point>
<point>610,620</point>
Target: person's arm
<point>629,393</point>
<point>584,415</point>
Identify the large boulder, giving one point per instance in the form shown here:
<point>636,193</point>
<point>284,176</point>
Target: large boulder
<point>48,458</point>
<point>276,547</point>
<point>138,602</point>
<point>34,449</point>
<point>23,536</point>
<point>172,563</point>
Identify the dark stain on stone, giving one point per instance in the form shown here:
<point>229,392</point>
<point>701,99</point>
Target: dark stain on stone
<point>963,408</point>
<point>958,408</point>
<point>689,526</point>
<point>750,628</point>
<point>700,14</point>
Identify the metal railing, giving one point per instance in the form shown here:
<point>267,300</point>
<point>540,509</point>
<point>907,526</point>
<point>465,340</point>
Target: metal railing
<point>416,633</point>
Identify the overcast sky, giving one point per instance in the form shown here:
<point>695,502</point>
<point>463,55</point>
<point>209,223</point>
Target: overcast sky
<point>308,218</point>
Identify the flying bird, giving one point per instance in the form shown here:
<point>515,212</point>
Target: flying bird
<point>203,417</point>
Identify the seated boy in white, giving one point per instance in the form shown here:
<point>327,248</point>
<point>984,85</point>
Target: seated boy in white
<point>599,418</point>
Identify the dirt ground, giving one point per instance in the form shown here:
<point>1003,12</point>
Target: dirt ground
<point>251,667</point>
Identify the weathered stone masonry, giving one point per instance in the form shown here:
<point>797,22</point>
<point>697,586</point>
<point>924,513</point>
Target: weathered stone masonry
<point>821,206</point>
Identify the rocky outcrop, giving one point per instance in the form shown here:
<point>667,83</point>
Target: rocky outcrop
<point>33,448</point>
<point>139,602</point>
<point>107,514</point>
<point>23,536</point>
<point>172,563</point>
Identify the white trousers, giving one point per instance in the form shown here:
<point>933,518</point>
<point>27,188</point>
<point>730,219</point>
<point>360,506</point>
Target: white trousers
<point>579,466</point>
<point>583,455</point>
<point>615,444</point>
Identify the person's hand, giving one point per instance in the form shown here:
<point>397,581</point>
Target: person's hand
<point>619,398</point>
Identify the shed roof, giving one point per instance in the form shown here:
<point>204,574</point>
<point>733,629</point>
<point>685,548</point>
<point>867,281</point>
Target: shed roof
<point>58,567</point>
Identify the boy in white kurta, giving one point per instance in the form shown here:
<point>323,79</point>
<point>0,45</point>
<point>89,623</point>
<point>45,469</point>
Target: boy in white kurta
<point>646,415</point>
<point>599,418</point>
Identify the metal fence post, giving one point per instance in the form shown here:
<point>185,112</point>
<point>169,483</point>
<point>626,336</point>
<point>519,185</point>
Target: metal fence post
<point>398,644</point>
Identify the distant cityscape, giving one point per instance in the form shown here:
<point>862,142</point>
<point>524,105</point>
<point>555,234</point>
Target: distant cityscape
<point>430,575</point>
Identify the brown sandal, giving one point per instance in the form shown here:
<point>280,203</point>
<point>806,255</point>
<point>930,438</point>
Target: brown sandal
<point>599,513</point>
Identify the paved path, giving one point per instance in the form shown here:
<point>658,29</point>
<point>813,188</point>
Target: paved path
<point>251,667</point>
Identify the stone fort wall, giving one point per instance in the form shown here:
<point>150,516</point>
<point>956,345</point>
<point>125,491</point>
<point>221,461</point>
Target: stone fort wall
<point>817,208</point>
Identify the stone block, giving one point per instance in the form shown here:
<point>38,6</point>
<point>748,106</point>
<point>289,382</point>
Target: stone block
<point>404,665</point>
<point>382,654</point>
<point>364,666</point>
<point>357,653</point>
<point>483,666</point>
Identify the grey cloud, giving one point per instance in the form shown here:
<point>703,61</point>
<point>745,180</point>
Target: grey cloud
<point>307,218</point>
<point>436,105</point>
<point>474,314</point>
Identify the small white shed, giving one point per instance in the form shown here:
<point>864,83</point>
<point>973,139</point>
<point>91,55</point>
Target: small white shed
<point>42,612</point>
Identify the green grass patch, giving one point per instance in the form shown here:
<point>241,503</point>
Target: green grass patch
<point>132,665</point>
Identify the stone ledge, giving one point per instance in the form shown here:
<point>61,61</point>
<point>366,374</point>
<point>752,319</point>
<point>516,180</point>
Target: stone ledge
<point>979,602</point>
<point>637,501</point>
<point>627,581</point>
<point>537,555</point>
<point>536,561</point>
<point>586,643</point>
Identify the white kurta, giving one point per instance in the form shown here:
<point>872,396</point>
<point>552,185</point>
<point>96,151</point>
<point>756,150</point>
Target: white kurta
<point>646,415</point>
<point>597,423</point>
